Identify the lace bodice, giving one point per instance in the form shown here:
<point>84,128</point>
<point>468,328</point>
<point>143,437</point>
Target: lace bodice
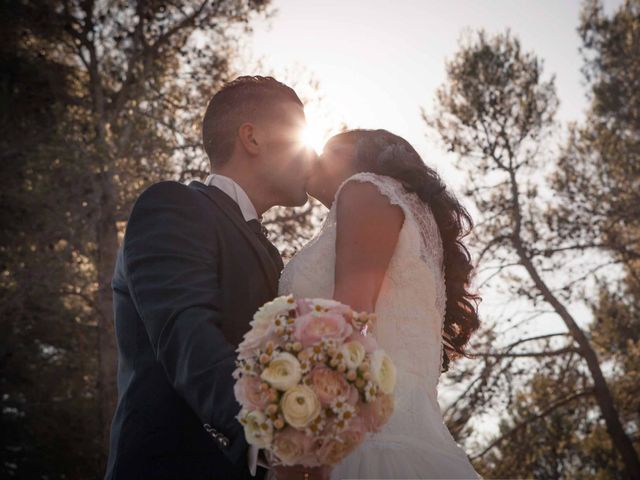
<point>412,298</point>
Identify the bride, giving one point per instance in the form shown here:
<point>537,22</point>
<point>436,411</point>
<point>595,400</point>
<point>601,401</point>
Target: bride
<point>391,244</point>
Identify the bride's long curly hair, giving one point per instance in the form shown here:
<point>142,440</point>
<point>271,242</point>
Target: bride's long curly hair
<point>383,153</point>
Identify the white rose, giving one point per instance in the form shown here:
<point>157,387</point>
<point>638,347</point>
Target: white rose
<point>383,371</point>
<point>325,302</point>
<point>263,324</point>
<point>300,406</point>
<point>257,429</point>
<point>267,313</point>
<point>353,354</point>
<point>283,371</point>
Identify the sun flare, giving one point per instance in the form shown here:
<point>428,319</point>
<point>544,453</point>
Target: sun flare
<point>314,137</point>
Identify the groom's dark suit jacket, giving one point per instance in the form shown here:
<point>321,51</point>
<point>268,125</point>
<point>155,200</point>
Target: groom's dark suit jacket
<point>187,281</point>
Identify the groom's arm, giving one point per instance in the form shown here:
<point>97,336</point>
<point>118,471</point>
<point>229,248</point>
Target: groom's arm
<point>170,253</point>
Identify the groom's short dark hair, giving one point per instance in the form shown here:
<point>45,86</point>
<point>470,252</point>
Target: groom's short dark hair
<point>241,100</point>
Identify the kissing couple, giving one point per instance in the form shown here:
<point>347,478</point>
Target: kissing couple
<point>195,265</point>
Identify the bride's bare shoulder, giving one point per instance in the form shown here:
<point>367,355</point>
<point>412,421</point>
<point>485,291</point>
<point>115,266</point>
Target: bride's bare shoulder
<point>368,227</point>
<point>367,198</point>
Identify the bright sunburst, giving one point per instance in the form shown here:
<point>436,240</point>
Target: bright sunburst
<point>314,137</point>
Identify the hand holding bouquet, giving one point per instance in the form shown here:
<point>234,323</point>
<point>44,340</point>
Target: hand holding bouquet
<point>311,381</point>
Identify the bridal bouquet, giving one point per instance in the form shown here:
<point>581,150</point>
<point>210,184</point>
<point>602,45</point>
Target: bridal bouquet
<point>311,381</point>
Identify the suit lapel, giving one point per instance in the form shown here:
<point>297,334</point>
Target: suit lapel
<point>232,211</point>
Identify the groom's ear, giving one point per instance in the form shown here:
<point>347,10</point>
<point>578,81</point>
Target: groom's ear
<point>247,136</point>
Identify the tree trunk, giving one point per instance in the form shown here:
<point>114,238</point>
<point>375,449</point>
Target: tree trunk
<point>619,437</point>
<point>107,246</point>
<point>603,396</point>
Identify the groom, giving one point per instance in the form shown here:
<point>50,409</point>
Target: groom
<point>194,267</point>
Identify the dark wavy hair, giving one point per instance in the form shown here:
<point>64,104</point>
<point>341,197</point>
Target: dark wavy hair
<point>383,153</point>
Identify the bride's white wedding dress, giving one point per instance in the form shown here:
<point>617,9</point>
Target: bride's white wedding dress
<point>415,443</point>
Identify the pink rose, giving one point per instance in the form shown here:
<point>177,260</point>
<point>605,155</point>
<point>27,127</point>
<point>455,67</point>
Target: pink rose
<point>375,414</point>
<point>304,306</point>
<point>353,396</point>
<point>294,447</point>
<point>332,451</point>
<point>329,384</point>
<point>314,327</point>
<point>248,393</point>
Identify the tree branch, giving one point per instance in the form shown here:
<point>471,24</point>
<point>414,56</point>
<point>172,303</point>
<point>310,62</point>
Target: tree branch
<point>549,353</point>
<point>532,419</point>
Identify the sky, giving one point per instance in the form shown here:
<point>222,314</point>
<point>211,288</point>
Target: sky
<point>378,62</point>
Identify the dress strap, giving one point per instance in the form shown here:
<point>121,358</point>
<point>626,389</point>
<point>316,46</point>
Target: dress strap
<point>387,186</point>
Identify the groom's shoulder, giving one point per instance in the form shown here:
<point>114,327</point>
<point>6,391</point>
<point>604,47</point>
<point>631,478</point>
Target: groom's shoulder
<point>168,199</point>
<point>167,191</point>
<point>164,188</point>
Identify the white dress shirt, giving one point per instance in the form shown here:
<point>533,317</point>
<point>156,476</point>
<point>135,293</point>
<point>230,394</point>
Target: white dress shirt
<point>235,191</point>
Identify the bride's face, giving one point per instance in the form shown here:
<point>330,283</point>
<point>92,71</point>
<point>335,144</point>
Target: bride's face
<point>332,167</point>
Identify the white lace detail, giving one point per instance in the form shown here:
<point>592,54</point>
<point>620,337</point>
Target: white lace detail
<point>410,309</point>
<point>414,208</point>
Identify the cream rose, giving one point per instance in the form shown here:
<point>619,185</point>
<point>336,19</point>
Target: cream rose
<point>353,353</point>
<point>268,312</point>
<point>300,406</point>
<point>283,371</point>
<point>257,429</point>
<point>383,371</point>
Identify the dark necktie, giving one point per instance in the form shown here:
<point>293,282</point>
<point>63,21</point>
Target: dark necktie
<point>261,233</point>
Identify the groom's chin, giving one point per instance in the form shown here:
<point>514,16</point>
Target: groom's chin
<point>303,200</point>
<point>295,201</point>
<point>311,197</point>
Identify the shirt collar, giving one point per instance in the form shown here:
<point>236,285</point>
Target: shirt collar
<point>237,194</point>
